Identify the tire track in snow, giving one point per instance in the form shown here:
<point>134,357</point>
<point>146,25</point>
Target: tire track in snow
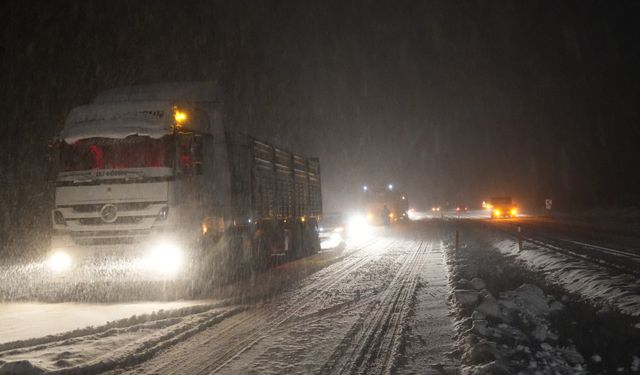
<point>373,343</point>
<point>312,291</point>
<point>214,351</point>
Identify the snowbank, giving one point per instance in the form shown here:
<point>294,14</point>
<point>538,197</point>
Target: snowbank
<point>593,282</point>
<point>507,333</point>
<point>98,349</point>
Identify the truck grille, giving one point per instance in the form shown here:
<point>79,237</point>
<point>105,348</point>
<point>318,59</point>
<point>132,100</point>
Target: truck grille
<point>129,206</point>
<point>105,241</point>
<point>119,220</point>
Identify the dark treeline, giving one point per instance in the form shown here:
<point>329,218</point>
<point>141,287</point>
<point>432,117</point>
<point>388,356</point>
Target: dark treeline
<point>451,100</point>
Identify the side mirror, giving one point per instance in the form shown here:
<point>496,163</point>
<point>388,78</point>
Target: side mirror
<point>190,155</point>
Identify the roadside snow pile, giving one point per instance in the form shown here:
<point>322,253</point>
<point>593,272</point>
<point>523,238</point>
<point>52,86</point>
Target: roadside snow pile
<point>509,333</point>
<point>512,333</point>
<point>593,282</point>
<point>99,349</point>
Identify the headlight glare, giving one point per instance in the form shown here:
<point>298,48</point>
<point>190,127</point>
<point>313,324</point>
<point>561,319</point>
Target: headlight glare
<point>59,261</point>
<point>163,214</point>
<point>165,258</point>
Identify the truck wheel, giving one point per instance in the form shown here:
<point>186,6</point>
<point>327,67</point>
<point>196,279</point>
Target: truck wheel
<point>311,239</point>
<point>298,241</point>
<point>205,264</point>
<point>261,258</point>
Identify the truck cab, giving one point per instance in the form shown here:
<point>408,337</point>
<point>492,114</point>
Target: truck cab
<point>137,176</point>
<point>379,202</point>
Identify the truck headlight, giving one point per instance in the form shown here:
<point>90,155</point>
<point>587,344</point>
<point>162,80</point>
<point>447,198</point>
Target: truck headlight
<point>165,257</point>
<point>59,261</point>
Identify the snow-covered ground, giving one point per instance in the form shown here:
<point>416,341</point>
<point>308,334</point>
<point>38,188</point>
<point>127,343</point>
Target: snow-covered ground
<point>26,320</point>
<point>402,300</point>
<point>539,311</point>
<point>379,305</point>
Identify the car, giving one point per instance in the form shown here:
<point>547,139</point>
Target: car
<point>332,230</point>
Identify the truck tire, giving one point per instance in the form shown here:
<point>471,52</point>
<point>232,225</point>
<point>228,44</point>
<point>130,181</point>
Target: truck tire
<point>311,238</point>
<point>206,264</point>
<point>261,257</point>
<point>299,242</point>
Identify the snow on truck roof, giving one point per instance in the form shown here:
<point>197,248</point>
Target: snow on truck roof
<point>139,110</point>
<point>118,120</point>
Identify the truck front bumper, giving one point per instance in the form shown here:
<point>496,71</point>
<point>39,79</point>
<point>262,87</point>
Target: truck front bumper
<point>160,254</point>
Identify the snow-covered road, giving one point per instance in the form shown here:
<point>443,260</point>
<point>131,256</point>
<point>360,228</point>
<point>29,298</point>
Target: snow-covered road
<point>378,306</point>
<point>403,300</point>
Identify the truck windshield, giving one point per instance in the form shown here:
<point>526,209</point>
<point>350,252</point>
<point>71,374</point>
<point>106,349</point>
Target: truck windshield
<point>107,153</point>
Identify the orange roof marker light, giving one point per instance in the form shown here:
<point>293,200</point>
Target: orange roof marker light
<point>180,117</point>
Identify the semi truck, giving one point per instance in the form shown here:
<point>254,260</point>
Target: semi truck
<point>374,201</point>
<point>151,174</point>
<point>502,207</point>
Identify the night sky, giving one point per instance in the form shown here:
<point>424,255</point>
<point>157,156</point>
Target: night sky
<point>449,100</point>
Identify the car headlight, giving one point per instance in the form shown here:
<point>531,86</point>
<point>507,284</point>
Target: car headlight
<point>497,212</point>
<point>163,214</point>
<point>59,261</point>
<point>514,212</point>
<point>165,257</point>
<point>358,226</point>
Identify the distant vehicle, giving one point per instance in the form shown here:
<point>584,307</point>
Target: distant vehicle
<point>152,173</point>
<point>332,230</point>
<point>503,207</point>
<point>374,203</point>
<point>435,209</point>
<point>462,208</point>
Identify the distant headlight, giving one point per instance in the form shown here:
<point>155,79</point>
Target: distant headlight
<point>514,212</point>
<point>59,261</point>
<point>497,212</point>
<point>358,226</point>
<point>163,214</point>
<point>165,257</point>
